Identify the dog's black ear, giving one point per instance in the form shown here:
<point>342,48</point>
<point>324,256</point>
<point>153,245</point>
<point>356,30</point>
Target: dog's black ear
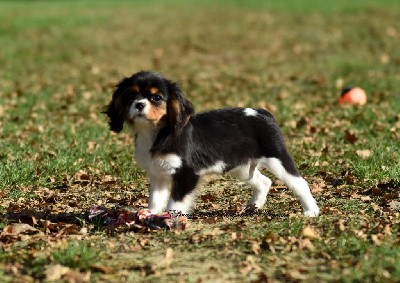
<point>114,109</point>
<point>116,122</point>
<point>179,109</point>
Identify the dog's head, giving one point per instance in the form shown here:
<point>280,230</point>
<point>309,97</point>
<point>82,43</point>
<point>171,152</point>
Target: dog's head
<point>148,100</point>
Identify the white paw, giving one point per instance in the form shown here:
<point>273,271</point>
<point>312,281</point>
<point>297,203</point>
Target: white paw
<point>155,210</point>
<point>178,211</point>
<point>183,207</point>
<point>312,212</point>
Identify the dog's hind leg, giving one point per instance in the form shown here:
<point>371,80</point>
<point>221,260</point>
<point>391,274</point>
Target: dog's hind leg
<point>261,184</point>
<point>285,170</point>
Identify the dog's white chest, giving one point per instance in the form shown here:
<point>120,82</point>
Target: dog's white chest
<point>144,141</point>
<point>164,164</point>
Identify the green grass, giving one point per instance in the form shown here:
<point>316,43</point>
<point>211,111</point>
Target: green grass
<point>76,255</point>
<point>59,63</point>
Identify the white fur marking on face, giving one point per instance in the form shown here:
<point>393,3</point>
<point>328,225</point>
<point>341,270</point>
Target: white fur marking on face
<point>139,118</point>
<point>296,183</point>
<point>133,111</point>
<point>183,206</point>
<point>218,167</point>
<point>250,112</point>
<point>165,164</point>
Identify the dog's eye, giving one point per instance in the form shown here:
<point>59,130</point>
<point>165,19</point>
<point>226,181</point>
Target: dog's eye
<point>156,98</point>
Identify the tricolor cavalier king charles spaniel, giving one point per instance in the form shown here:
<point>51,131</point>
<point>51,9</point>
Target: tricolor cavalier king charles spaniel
<point>176,146</point>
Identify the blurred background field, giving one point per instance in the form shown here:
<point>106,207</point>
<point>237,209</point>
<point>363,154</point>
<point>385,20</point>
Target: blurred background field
<point>59,62</point>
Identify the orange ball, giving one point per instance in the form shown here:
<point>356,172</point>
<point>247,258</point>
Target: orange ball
<point>353,95</point>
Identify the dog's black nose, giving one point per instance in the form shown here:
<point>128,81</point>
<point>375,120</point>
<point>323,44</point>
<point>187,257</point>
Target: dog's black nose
<point>139,105</point>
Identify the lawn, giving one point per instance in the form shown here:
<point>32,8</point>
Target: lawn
<point>60,61</point>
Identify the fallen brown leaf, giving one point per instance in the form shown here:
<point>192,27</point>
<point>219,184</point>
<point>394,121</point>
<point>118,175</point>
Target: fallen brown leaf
<point>102,268</point>
<point>364,153</point>
<point>295,274</point>
<point>55,272</point>
<point>309,233</point>
<point>350,137</point>
<point>20,228</point>
<point>394,205</point>
<point>306,244</point>
<point>169,255</point>
<point>249,265</point>
<point>76,276</point>
<point>375,239</point>
<point>234,236</point>
<point>255,247</point>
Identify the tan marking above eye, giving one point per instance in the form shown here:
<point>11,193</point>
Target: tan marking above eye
<point>135,88</point>
<point>153,90</point>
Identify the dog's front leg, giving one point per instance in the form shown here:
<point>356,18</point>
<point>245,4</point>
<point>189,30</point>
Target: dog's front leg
<point>160,189</point>
<point>183,191</point>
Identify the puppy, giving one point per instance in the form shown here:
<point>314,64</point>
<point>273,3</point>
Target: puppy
<point>176,146</point>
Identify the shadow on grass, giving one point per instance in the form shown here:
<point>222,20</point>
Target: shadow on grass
<point>33,217</point>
